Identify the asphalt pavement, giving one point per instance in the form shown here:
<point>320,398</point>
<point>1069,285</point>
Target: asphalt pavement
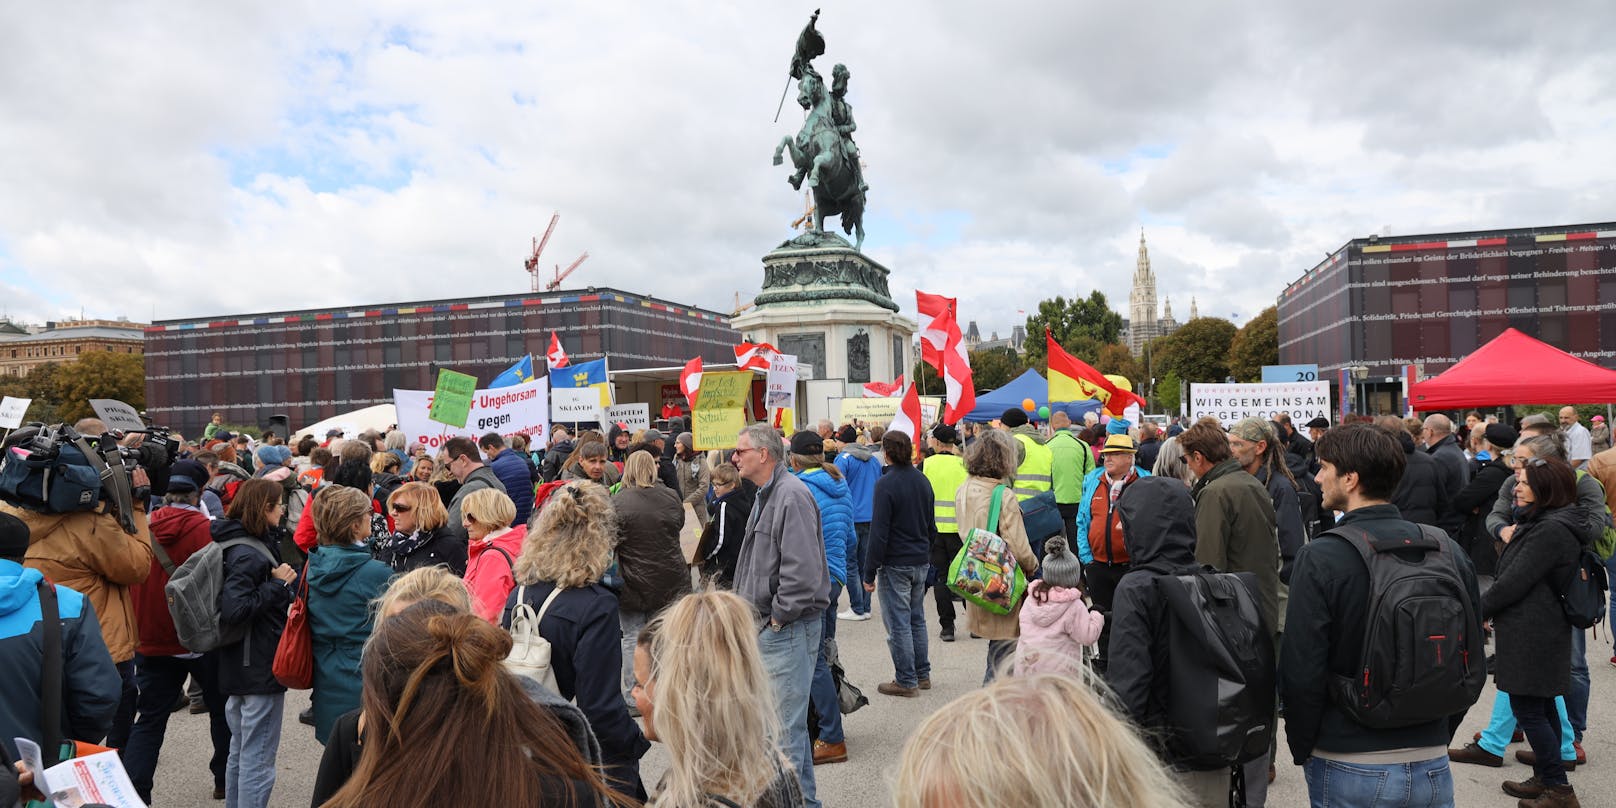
<point>876,734</point>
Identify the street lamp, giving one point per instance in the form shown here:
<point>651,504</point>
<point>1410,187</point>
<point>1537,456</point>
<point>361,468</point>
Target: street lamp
<point>1359,373</point>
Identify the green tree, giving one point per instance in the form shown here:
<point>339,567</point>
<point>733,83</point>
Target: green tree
<point>1115,359</point>
<point>1167,398</point>
<point>100,374</point>
<point>1081,326</point>
<point>1198,351</point>
<point>994,368</point>
<point>1255,345</point>
<point>39,385</point>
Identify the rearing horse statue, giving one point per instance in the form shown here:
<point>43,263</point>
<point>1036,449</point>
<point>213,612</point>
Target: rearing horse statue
<point>822,157</point>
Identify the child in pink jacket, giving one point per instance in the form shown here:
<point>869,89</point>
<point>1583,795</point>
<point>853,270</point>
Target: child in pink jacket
<point>1055,624</point>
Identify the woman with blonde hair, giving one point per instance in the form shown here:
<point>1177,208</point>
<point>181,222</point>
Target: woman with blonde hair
<point>493,545</point>
<point>1042,741</point>
<point>421,534</point>
<point>703,693</point>
<point>423,583</point>
<point>991,462</point>
<point>559,574</point>
<point>342,581</point>
<point>649,518</point>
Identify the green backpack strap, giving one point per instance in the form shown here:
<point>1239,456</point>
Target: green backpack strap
<point>993,510</point>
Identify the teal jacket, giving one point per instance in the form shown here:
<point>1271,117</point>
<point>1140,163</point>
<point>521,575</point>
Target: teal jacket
<point>1085,505</point>
<point>343,580</point>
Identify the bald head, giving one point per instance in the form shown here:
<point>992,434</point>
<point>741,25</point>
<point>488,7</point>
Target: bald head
<point>1568,416</point>
<point>1060,420</point>
<point>1438,424</point>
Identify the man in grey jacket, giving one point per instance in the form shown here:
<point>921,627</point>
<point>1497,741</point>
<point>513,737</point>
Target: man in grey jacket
<point>782,571</point>
<point>466,464</point>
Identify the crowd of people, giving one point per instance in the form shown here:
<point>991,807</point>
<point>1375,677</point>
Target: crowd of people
<point>691,598</point>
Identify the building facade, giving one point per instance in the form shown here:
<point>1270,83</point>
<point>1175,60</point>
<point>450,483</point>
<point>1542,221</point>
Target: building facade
<point>314,364</point>
<point>61,342</point>
<point>1377,305</point>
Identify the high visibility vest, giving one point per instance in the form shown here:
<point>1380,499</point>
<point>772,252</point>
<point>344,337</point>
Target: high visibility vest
<point>946,473</point>
<point>1033,475</point>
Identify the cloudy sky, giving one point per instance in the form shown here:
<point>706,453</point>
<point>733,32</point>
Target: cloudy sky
<point>186,159</point>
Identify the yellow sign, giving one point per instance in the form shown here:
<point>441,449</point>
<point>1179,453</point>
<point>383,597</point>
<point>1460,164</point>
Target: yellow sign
<point>715,428</point>
<point>881,411</point>
<point>725,390</point>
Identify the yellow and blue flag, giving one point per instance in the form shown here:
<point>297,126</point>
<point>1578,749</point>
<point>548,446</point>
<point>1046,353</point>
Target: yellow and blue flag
<point>516,374</point>
<point>584,374</point>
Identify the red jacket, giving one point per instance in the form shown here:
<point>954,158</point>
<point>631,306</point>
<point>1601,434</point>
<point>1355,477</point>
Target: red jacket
<point>181,532</point>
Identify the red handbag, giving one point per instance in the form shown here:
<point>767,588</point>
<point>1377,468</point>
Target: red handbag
<point>294,655</point>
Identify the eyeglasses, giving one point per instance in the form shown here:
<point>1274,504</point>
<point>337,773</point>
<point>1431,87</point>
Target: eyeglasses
<point>1517,462</point>
<point>400,508</point>
<point>738,451</point>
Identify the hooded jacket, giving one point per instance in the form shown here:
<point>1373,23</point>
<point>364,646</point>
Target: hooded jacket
<point>1053,633</point>
<point>1533,658</point>
<point>835,520</point>
<point>88,552</point>
<point>550,468</point>
<point>860,469</point>
<point>343,581</point>
<point>1158,524</point>
<point>517,480</point>
<point>253,597</point>
<point>180,532</point>
<point>91,686</point>
<point>490,573</point>
<point>1235,530</point>
<point>649,555</point>
<point>782,570</point>
<point>728,528</point>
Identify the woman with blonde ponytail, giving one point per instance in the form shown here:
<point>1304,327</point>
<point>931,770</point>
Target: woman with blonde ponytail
<point>448,725</point>
<point>702,690</point>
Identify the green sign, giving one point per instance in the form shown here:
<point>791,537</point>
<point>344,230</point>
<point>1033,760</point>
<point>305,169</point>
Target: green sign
<point>451,400</point>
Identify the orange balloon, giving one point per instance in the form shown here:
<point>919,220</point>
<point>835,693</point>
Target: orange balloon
<point>1028,404</point>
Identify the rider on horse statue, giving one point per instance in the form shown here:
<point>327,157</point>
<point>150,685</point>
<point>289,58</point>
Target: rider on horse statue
<point>823,151</point>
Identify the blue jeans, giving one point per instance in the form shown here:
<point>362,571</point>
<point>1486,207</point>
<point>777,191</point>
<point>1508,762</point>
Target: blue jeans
<point>827,707</point>
<point>631,623</point>
<point>1495,738</point>
<point>161,680</point>
<point>903,610</point>
<point>1576,701</point>
<point>1333,784</point>
<point>857,599</point>
<point>255,738</point>
<point>788,658</point>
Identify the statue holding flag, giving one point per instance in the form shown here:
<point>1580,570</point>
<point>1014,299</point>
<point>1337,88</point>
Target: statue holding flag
<point>823,151</point>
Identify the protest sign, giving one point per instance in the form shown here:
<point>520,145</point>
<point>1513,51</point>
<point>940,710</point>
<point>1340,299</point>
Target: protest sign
<point>882,410</point>
<point>518,409</point>
<point>451,401</point>
<point>726,390</point>
<point>718,417</point>
<point>576,405</point>
<point>1229,403</point>
<point>782,382</point>
<point>12,410</point>
<point>634,416</point>
<point>117,416</point>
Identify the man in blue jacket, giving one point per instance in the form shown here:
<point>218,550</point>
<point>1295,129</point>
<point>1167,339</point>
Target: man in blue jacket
<point>860,468</point>
<point>91,686</point>
<point>901,534</point>
<point>512,472</point>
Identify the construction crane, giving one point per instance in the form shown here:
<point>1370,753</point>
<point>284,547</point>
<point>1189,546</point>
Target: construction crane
<point>561,274</point>
<point>739,306</point>
<point>532,262</point>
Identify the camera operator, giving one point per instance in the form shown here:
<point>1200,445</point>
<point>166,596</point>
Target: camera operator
<point>91,553</point>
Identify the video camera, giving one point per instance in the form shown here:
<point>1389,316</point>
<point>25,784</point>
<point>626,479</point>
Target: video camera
<point>54,469</point>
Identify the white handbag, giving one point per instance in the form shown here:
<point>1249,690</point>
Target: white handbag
<point>530,652</point>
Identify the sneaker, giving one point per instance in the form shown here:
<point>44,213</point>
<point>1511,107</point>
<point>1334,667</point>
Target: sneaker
<point>862,616</point>
<point>829,753</point>
<point>925,684</point>
<point>895,689</point>
<point>1613,662</point>
<point>1529,757</point>
<point>853,616</point>
<point>947,634</point>
<point>1530,788</point>
<point>1473,753</point>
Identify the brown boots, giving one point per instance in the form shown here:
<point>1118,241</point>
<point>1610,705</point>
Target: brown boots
<point>1534,794</point>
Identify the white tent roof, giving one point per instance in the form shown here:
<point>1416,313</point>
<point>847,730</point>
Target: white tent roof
<point>378,418</point>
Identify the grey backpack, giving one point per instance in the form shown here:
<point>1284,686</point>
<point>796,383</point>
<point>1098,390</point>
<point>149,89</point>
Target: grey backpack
<point>193,597</point>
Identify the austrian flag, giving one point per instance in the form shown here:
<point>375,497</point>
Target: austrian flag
<point>690,380</point>
<point>943,347</point>
<point>908,419</point>
<point>882,389</point>
<point>555,356</point>
<point>755,357</point>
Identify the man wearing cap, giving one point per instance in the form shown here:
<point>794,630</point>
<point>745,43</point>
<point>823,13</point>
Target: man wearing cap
<point>781,571</point>
<point>1071,461</point>
<point>945,471</point>
<point>860,468</point>
<point>1033,476</point>
<point>1316,429</point>
<point>1098,527</point>
<point>179,529</point>
<point>657,444</point>
<point>1579,444</point>
<point>90,684</point>
<point>332,434</point>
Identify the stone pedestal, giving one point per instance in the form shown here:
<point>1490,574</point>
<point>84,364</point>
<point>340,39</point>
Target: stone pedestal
<point>830,306</point>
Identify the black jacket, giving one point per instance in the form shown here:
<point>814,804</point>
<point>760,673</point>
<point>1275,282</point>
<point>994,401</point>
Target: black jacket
<point>1474,502</point>
<point>725,532</point>
<point>1324,635</point>
<point>1455,471</point>
<point>1158,528</point>
<point>553,458</point>
<point>1145,458</point>
<point>668,475</point>
<point>1287,518</point>
<point>252,596</point>
<point>1422,494</point>
<point>1532,635</point>
<point>902,521</point>
<point>429,548</point>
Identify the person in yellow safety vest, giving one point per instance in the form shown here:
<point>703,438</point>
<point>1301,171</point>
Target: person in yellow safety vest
<point>1073,462</point>
<point>945,469</point>
<point>1033,475</point>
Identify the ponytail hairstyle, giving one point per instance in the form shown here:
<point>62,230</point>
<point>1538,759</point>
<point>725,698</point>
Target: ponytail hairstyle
<point>569,541</point>
<point>449,725</point>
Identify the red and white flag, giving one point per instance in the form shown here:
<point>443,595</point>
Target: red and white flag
<point>908,420</point>
<point>555,356</point>
<point>690,380</point>
<point>882,389</point>
<point>943,347</point>
<point>755,357</point>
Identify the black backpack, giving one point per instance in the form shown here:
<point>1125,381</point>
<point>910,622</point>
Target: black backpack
<point>1583,597</point>
<point>1220,704</point>
<point>1422,655</point>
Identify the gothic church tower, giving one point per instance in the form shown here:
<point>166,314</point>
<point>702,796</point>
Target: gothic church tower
<point>1142,325</point>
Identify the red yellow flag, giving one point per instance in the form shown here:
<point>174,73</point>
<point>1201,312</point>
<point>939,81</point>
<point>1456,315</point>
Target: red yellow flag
<point>1072,379</point>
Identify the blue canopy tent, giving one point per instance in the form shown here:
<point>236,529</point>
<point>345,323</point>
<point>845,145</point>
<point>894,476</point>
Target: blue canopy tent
<point>992,404</point>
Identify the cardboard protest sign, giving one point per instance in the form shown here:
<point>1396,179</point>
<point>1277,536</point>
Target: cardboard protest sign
<point>883,410</point>
<point>576,405</point>
<point>1229,403</point>
<point>118,416</point>
<point>718,418</point>
<point>12,410</point>
<point>782,382</point>
<point>451,400</point>
<point>635,416</point>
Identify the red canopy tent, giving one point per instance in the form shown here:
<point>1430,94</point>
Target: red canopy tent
<point>1515,369</point>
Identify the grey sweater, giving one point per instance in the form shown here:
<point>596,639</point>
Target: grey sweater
<point>782,569</point>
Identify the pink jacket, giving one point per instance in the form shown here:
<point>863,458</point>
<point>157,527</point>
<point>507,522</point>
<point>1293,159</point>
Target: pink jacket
<point>1054,632</point>
<point>489,576</point>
